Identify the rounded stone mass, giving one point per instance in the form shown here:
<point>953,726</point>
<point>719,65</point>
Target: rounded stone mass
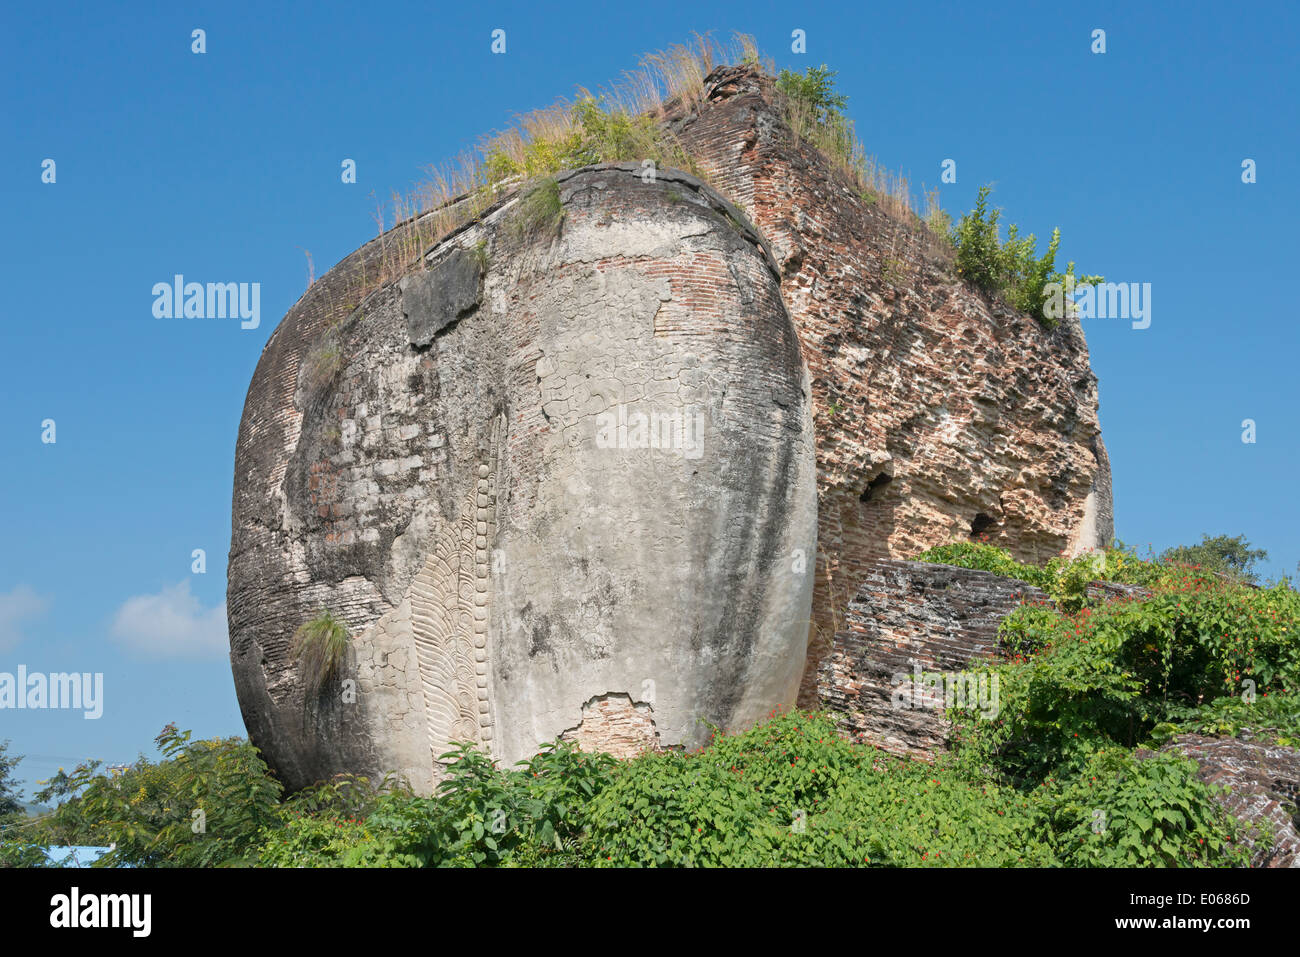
<point>558,482</point>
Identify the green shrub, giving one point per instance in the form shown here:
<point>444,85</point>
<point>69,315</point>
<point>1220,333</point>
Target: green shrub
<point>1010,268</point>
<point>482,817</point>
<point>1122,811</point>
<point>987,558</point>
<point>1221,555</point>
<point>205,804</point>
<point>1065,579</point>
<point>815,91</point>
<point>794,792</point>
<point>1274,716</point>
<point>1131,671</point>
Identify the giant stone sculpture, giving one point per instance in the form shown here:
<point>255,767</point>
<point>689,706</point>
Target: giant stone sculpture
<point>558,481</point>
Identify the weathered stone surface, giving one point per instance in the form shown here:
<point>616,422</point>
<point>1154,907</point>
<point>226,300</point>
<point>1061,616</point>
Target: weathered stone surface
<point>909,618</point>
<point>426,463</point>
<point>435,298</point>
<point>450,490</point>
<point>1263,782</point>
<point>939,414</point>
<point>1100,592</point>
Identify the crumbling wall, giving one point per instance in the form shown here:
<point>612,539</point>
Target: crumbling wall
<point>1261,782</point>
<point>940,414</point>
<point>908,619</point>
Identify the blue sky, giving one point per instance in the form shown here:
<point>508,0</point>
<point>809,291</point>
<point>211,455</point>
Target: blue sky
<point>225,167</point>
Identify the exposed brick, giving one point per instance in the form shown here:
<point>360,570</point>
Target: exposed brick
<point>906,614</point>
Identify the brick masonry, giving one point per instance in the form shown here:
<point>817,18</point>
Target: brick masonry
<point>905,616</point>
<point>384,452</point>
<point>1263,785</point>
<point>938,412</point>
<point>616,725</point>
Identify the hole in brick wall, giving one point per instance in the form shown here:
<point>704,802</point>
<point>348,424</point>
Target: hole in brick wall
<point>980,524</point>
<point>877,483</point>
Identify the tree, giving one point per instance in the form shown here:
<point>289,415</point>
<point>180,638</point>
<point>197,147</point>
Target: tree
<point>814,90</point>
<point>1220,554</point>
<point>10,797</point>
<point>204,804</point>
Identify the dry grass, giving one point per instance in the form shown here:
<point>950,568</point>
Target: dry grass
<point>626,125</point>
<point>539,142</point>
<point>838,141</point>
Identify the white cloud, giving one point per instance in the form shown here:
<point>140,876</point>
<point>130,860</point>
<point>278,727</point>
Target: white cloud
<point>22,602</point>
<point>172,624</point>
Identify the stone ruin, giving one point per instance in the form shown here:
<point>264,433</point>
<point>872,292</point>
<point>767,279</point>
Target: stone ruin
<point>614,475</point>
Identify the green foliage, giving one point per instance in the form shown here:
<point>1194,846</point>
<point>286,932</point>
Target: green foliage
<point>540,209</point>
<point>1272,716</point>
<point>1220,554</point>
<point>597,135</point>
<point>1011,268</point>
<point>987,558</point>
<point>814,90</point>
<point>320,646</point>
<point>815,112</point>
<point>1130,671</point>
<point>310,841</point>
<point>480,254</point>
<point>794,792</point>
<point>1122,811</point>
<point>10,797</point>
<point>1085,683</point>
<point>1064,579</point>
<point>205,804</point>
<point>790,792</point>
<point>533,814</point>
<point>17,848</point>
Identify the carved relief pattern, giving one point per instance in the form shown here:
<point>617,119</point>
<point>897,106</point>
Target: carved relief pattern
<point>449,617</point>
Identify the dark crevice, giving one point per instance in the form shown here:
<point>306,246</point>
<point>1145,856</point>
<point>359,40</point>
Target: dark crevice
<point>879,482</point>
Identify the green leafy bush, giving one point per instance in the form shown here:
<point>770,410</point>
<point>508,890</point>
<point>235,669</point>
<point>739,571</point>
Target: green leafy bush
<point>1010,268</point>
<point>1122,811</point>
<point>1200,652</point>
<point>1272,716</point>
<point>1065,579</point>
<point>204,804</point>
<point>1219,554</point>
<point>483,816</point>
<point>794,792</point>
<point>815,91</point>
